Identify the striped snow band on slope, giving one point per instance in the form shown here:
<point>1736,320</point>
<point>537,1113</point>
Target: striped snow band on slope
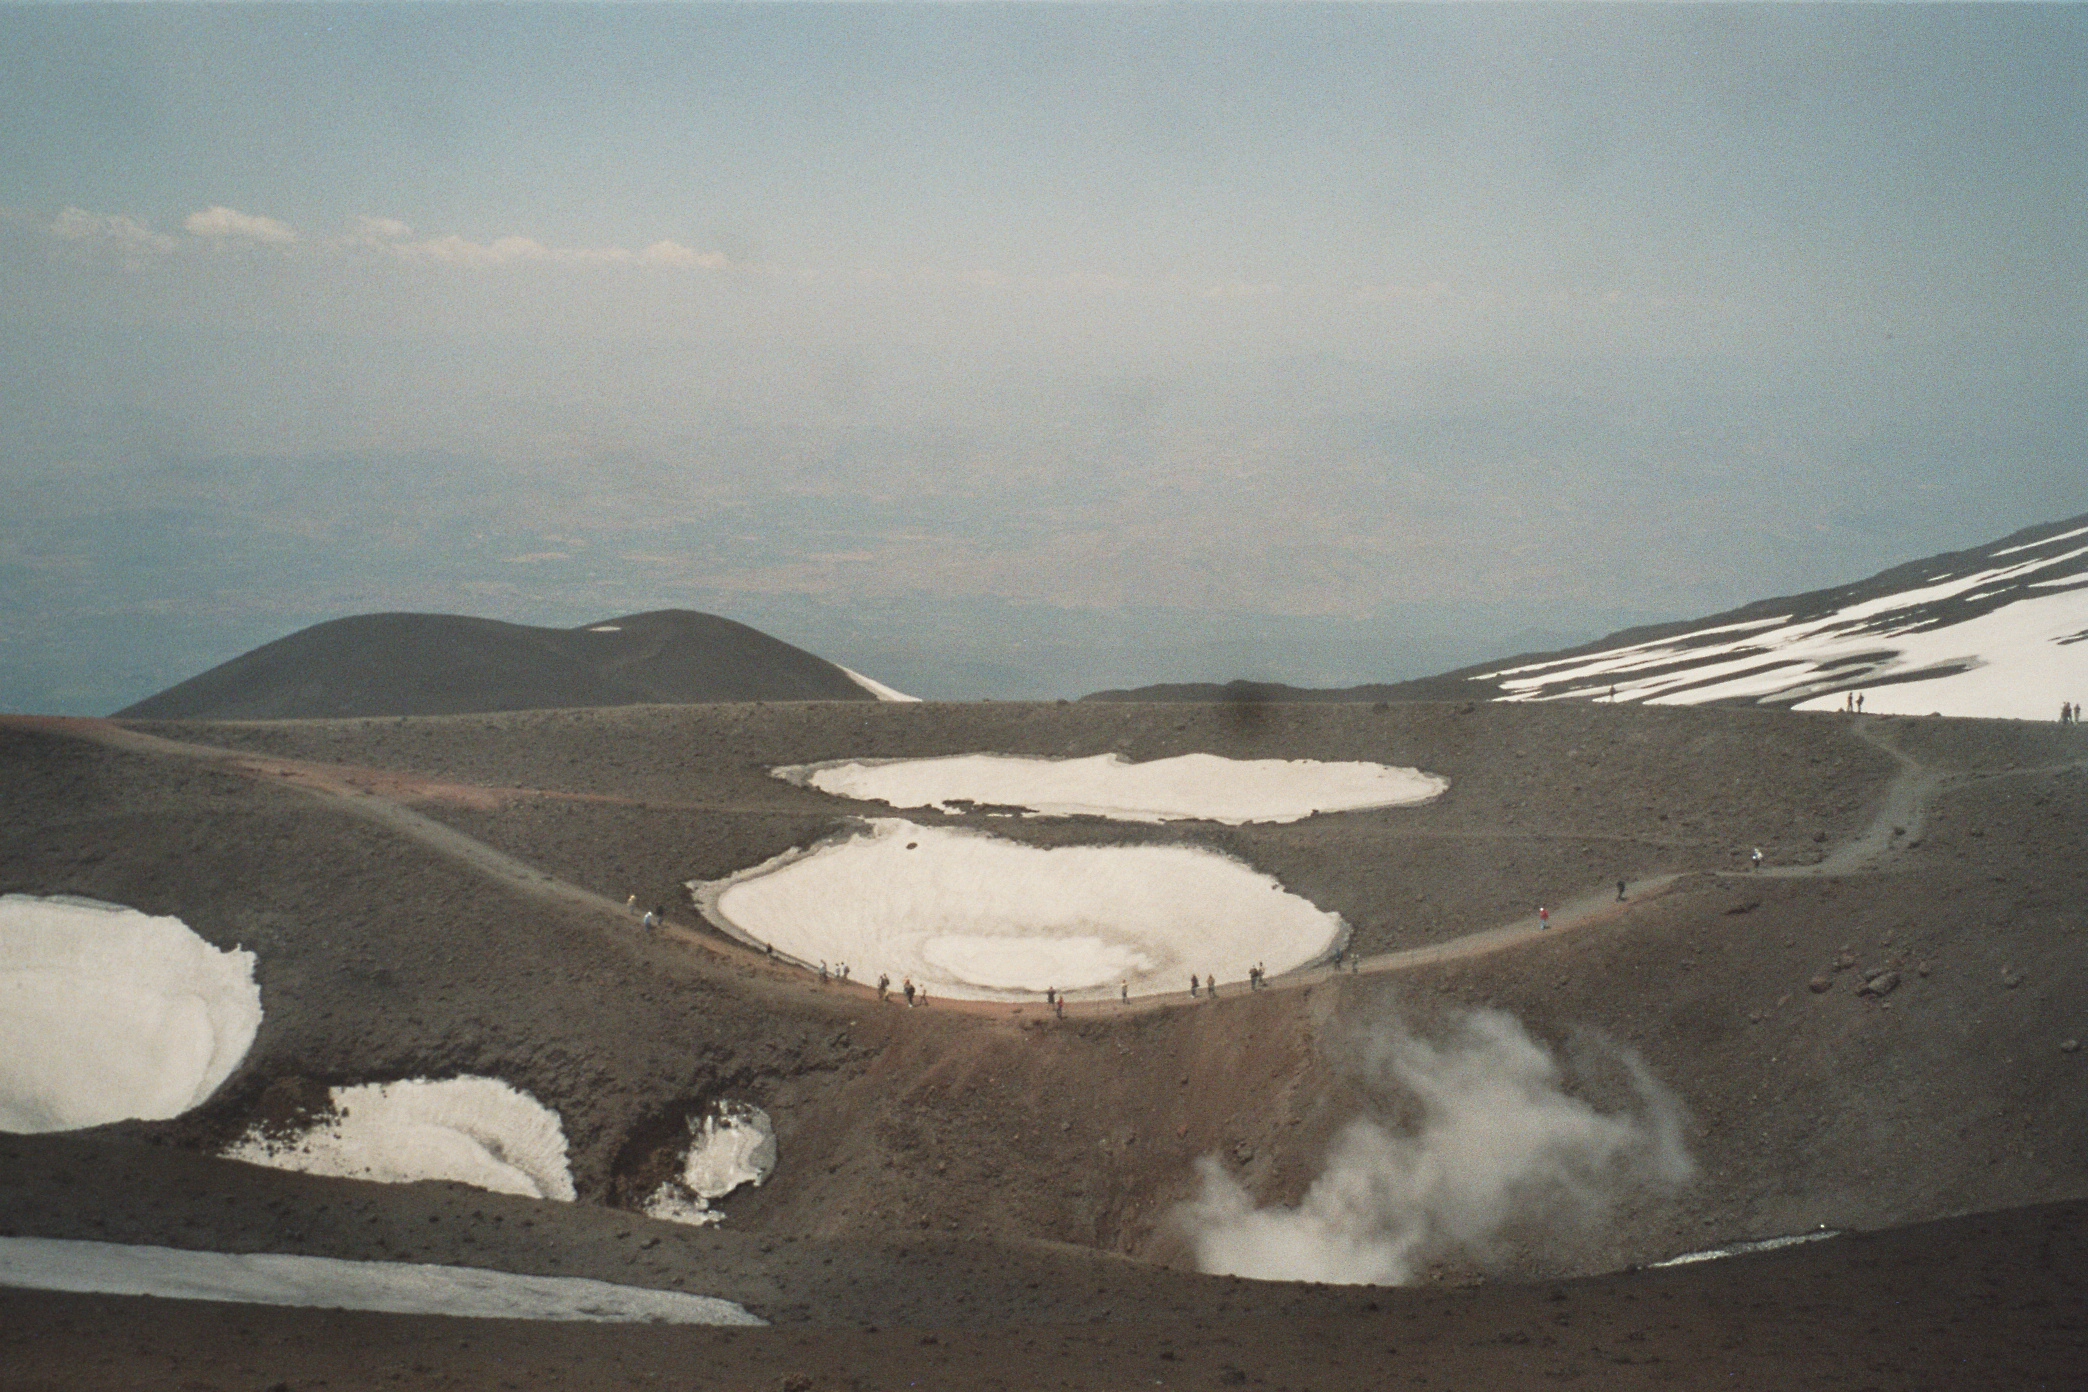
<point>476,1131</point>
<point>973,916</point>
<point>2018,661</point>
<point>326,1283</point>
<point>109,1014</point>
<point>877,688</point>
<point>1741,1249</point>
<point>1204,787</point>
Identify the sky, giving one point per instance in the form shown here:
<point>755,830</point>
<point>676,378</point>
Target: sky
<point>1019,351</point>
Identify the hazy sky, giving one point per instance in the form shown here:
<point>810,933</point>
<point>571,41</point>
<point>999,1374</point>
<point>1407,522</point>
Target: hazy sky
<point>1018,351</point>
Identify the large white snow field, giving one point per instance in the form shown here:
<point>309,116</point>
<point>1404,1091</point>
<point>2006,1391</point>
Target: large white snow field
<point>327,1283</point>
<point>731,1144</point>
<point>2019,661</point>
<point>108,1014</point>
<point>1204,787</point>
<point>476,1131</point>
<point>973,916</point>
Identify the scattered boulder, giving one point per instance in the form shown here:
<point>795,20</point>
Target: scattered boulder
<point>1879,984</point>
<point>1845,961</point>
<point>2009,979</point>
<point>1819,985</point>
<point>2071,1046</point>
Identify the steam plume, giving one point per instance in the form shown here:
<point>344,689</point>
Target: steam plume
<point>1497,1142</point>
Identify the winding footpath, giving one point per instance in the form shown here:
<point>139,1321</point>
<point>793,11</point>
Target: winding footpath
<point>381,796</point>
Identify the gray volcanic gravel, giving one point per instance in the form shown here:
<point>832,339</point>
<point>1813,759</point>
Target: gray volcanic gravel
<point>994,1169</point>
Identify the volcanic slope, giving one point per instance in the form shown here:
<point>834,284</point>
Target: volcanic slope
<point>443,664</point>
<point>444,896</point>
<point>1998,631</point>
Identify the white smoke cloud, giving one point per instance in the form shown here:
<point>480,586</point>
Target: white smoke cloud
<point>1498,1142</point>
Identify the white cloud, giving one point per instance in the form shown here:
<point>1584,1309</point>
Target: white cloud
<point>461,251</point>
<point>675,254</point>
<point>222,223</point>
<point>391,236</point>
<point>382,229</point>
<point>131,238</point>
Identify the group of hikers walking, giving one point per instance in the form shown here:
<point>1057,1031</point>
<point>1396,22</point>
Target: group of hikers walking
<point>2069,712</point>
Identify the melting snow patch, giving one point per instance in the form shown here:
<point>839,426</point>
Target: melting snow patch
<point>1766,1244</point>
<point>107,1268</point>
<point>730,1145</point>
<point>476,1131</point>
<point>878,688</point>
<point>108,1014</point>
<point>1201,786</point>
<point>973,916</point>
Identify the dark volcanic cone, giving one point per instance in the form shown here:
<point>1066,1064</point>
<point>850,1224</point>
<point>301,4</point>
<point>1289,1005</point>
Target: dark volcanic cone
<point>446,664</point>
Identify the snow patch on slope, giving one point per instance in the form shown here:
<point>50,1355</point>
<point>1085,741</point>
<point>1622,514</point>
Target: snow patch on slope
<point>976,917</point>
<point>1942,647</point>
<point>476,1131</point>
<point>1199,786</point>
<point>108,1014</point>
<point>877,688</point>
<point>326,1283</point>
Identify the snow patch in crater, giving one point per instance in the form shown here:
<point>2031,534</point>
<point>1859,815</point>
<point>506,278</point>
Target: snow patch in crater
<point>476,1131</point>
<point>108,1014</point>
<point>731,1144</point>
<point>1203,787</point>
<point>973,916</point>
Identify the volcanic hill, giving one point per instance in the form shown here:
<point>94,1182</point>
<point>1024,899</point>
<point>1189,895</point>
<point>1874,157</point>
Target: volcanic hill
<point>448,664</point>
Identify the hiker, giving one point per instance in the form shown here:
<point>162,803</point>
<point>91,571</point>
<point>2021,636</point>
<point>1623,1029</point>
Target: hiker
<point>1124,991</point>
<point>1050,995</point>
<point>1620,891</point>
<point>1859,703</point>
<point>922,991</point>
<point>631,904</point>
<point>1058,1007</point>
<point>884,986</point>
<point>650,921</point>
<point>909,989</point>
<point>1211,986</point>
<point>1543,918</point>
<point>2066,712</point>
<point>1355,963</point>
<point>1755,860</point>
<point>822,971</point>
<point>1192,985</point>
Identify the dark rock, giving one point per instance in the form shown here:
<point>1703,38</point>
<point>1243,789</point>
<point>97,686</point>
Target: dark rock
<point>1819,985</point>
